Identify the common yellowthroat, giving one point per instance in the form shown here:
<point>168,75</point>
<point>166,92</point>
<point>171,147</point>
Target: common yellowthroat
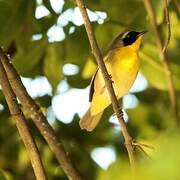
<point>122,63</point>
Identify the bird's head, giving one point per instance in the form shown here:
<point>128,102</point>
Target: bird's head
<point>129,38</point>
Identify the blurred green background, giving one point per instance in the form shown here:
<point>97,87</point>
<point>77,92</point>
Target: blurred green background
<point>50,50</point>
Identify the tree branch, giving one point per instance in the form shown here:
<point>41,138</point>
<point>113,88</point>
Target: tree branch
<point>22,126</point>
<point>108,81</point>
<point>168,26</point>
<point>163,57</point>
<point>39,119</point>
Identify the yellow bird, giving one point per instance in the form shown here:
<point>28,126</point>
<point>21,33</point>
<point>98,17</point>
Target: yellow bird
<point>122,63</point>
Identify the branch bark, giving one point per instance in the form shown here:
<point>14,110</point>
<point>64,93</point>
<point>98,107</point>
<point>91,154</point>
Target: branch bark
<point>108,81</point>
<point>163,57</point>
<point>39,119</point>
<point>168,27</point>
<point>22,126</point>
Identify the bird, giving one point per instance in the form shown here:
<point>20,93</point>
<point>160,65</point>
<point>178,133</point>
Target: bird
<point>122,63</point>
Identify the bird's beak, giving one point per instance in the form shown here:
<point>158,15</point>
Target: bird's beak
<point>141,33</point>
<point>138,41</point>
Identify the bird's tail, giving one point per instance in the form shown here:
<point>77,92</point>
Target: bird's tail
<point>88,121</point>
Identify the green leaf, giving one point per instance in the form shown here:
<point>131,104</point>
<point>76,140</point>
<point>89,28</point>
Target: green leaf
<point>28,23</point>
<point>77,81</point>
<point>2,176</point>
<point>17,18</point>
<point>158,7</point>
<point>26,60</point>
<point>154,72</point>
<point>46,22</point>
<point>53,63</point>
<point>145,120</point>
<point>105,34</point>
<point>77,47</point>
<point>120,12</point>
<point>9,11</point>
<point>68,4</point>
<point>114,171</point>
<point>44,101</point>
<point>47,4</point>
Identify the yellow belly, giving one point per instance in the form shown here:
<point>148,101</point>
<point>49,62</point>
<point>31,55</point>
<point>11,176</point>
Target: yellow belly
<point>122,65</point>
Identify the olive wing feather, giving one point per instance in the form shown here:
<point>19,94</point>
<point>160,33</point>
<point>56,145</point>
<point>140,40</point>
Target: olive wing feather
<point>91,92</point>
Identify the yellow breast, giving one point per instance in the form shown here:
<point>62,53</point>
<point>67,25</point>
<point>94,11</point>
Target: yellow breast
<point>122,64</point>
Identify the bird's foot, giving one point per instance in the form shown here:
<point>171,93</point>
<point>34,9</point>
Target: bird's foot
<point>110,78</point>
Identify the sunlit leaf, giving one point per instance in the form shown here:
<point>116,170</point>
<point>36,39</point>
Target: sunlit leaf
<point>162,167</point>
<point>26,60</point>
<point>2,176</point>
<point>154,72</point>
<point>77,49</point>
<point>105,35</point>
<point>53,64</point>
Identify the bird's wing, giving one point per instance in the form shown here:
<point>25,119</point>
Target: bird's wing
<point>92,84</point>
<point>91,92</point>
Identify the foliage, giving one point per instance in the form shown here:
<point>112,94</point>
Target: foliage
<point>151,118</point>
<point>161,167</point>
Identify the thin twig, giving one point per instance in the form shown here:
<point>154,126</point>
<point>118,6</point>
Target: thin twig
<point>108,81</point>
<point>39,119</point>
<point>164,61</point>
<point>145,153</point>
<point>22,126</point>
<point>143,145</point>
<point>140,147</point>
<point>168,27</point>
